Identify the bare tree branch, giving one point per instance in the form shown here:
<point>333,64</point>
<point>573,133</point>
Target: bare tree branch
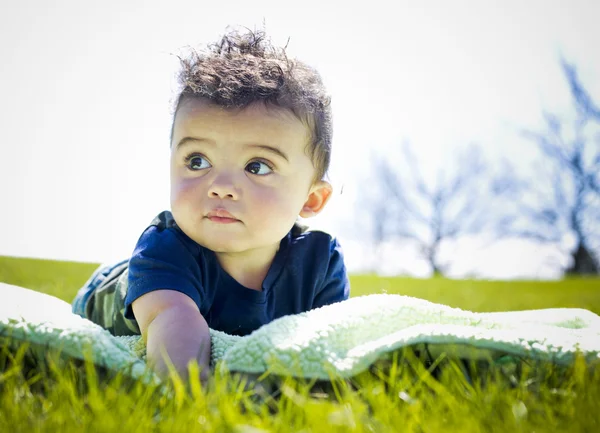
<point>560,198</point>
<point>416,176</point>
<point>390,183</point>
<point>582,98</point>
<point>593,184</point>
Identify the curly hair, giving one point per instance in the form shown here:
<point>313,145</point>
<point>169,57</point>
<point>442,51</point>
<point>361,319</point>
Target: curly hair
<point>244,68</point>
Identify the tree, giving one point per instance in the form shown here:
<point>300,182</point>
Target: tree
<point>405,206</point>
<point>563,199</point>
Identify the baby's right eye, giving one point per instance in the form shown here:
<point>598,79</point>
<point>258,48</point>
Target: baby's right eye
<point>196,162</point>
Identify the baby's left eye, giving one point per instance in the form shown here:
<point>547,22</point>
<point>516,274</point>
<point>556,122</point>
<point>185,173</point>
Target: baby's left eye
<point>259,168</point>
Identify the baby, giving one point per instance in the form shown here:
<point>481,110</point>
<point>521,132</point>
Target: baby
<point>250,149</point>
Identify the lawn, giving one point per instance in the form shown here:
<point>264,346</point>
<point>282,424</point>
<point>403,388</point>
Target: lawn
<point>399,395</point>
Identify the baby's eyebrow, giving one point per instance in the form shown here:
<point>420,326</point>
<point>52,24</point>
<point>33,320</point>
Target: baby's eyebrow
<point>186,140</point>
<point>276,151</point>
<point>271,149</point>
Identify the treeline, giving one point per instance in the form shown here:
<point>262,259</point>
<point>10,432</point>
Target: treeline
<point>556,199</point>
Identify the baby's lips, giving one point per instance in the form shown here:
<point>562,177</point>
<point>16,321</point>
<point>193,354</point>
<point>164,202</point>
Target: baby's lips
<point>221,213</point>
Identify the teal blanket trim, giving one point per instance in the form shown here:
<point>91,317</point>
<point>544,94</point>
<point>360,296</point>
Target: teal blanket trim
<point>339,340</point>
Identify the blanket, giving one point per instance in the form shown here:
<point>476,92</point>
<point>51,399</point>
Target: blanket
<point>339,340</point>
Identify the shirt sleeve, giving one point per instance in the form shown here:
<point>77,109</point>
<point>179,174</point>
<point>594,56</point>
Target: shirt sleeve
<point>336,285</point>
<point>162,259</point>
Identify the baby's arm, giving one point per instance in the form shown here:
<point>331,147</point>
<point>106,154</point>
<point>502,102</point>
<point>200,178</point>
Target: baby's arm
<point>171,322</point>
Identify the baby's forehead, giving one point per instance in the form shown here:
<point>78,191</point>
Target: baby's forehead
<point>194,108</point>
<point>192,104</point>
<point>199,116</point>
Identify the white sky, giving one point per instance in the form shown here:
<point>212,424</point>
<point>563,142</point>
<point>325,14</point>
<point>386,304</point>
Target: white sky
<point>85,92</point>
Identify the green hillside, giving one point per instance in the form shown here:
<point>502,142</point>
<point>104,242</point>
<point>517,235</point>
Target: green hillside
<point>62,279</point>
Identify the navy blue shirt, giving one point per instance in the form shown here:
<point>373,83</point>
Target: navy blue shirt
<point>307,272</point>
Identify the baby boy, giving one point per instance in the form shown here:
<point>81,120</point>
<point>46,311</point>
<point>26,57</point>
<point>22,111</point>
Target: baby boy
<point>250,149</point>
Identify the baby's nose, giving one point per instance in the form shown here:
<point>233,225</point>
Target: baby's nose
<point>223,187</point>
<point>221,193</point>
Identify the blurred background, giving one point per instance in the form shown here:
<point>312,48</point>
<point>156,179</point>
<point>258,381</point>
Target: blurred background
<point>466,134</point>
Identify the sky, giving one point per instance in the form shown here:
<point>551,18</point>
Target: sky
<point>86,90</point>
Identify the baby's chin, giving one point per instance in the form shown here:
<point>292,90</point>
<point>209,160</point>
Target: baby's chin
<point>237,245</point>
<point>220,244</point>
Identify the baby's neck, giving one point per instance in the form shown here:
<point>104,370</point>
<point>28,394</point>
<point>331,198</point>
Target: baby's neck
<point>249,268</point>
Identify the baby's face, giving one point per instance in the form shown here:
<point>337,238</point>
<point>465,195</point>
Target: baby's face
<point>239,178</point>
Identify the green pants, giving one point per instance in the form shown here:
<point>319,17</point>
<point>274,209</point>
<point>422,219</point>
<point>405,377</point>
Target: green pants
<point>102,300</point>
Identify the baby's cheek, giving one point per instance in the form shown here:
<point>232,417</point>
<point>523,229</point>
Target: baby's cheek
<point>180,186</point>
<point>274,201</point>
<point>278,209</point>
<point>183,191</point>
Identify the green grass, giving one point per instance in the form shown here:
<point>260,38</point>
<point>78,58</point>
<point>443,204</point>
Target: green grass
<point>489,295</point>
<point>401,394</point>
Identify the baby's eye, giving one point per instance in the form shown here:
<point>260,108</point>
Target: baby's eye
<point>197,162</point>
<point>259,168</point>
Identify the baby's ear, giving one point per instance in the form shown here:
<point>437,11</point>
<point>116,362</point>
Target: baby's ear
<point>319,195</point>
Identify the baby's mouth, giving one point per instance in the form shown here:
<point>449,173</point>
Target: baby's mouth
<point>221,216</point>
